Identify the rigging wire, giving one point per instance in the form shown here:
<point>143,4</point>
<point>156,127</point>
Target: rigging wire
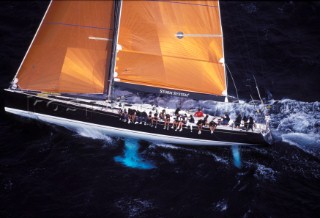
<point>233,81</point>
<point>257,88</point>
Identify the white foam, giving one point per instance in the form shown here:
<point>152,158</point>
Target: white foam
<point>265,173</point>
<point>92,133</point>
<point>221,205</point>
<point>298,123</point>
<point>134,207</point>
<point>219,159</point>
<point>168,157</point>
<point>169,146</point>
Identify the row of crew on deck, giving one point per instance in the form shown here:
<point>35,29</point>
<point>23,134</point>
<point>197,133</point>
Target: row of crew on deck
<point>179,120</point>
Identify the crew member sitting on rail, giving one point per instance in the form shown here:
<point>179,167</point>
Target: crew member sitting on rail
<point>190,122</point>
<point>212,125</point>
<point>138,117</point>
<point>131,115</point>
<point>154,120</point>
<point>149,118</point>
<point>162,115</point>
<point>144,117</point>
<point>182,121</point>
<point>175,122</point>
<point>167,122</point>
<point>200,124</point>
<point>205,120</point>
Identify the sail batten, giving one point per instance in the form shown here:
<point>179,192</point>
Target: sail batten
<point>172,44</point>
<point>71,50</point>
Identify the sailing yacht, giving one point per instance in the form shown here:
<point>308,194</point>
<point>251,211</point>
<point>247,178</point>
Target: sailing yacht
<point>84,50</point>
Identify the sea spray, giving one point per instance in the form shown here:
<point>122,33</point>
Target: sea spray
<point>236,156</point>
<point>131,157</point>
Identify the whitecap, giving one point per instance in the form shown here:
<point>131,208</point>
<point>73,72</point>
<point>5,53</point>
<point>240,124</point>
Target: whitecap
<point>265,173</point>
<point>168,157</point>
<point>167,146</point>
<point>134,207</point>
<point>219,159</point>
<point>221,205</point>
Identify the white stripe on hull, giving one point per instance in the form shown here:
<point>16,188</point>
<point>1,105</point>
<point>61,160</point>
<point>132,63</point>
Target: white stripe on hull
<point>119,132</point>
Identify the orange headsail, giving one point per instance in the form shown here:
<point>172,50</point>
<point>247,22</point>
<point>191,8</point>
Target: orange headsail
<point>173,45</point>
<point>72,49</point>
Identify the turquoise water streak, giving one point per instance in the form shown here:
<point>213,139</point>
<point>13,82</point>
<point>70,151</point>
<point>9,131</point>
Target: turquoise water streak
<point>236,156</point>
<point>131,157</point>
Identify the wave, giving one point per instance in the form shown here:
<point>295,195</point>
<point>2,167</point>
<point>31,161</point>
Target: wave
<point>308,142</point>
<point>168,157</point>
<point>265,173</point>
<point>221,205</point>
<point>297,123</point>
<point>134,207</point>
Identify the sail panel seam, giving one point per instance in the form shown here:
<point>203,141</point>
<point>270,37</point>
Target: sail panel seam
<point>183,3</point>
<point>78,25</point>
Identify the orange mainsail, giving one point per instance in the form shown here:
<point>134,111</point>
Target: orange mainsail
<point>71,52</point>
<point>152,54</point>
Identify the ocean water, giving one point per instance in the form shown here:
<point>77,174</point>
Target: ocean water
<point>50,171</point>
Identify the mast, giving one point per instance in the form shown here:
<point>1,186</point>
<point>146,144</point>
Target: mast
<point>223,61</point>
<point>117,15</point>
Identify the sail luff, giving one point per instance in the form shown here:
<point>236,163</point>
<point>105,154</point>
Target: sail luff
<point>34,37</point>
<point>117,13</point>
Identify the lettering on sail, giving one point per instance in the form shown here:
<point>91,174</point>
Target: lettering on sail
<point>174,93</point>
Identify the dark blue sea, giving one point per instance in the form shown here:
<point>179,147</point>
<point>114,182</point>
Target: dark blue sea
<point>50,171</point>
